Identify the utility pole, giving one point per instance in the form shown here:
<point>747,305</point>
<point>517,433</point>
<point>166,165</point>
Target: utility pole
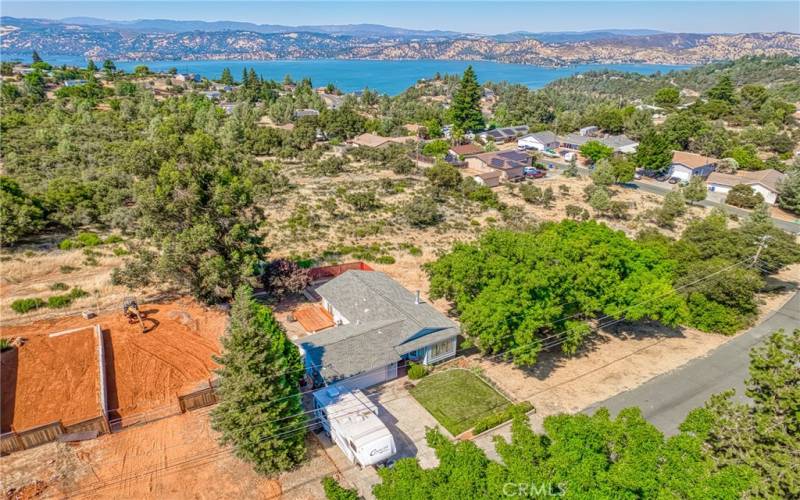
<point>761,245</point>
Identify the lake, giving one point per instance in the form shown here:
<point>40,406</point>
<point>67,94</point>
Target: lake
<point>391,77</point>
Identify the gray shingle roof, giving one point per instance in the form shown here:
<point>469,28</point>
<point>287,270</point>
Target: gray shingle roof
<point>385,323</point>
<point>544,137</point>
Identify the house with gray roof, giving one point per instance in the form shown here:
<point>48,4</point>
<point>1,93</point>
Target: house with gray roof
<point>539,141</point>
<point>381,326</point>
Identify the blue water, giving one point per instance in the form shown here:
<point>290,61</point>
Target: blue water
<point>391,77</point>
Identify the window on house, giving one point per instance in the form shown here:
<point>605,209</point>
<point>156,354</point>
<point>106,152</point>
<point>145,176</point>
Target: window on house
<point>440,349</point>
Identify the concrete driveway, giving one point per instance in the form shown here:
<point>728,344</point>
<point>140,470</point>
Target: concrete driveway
<point>407,421</point>
<point>667,399</point>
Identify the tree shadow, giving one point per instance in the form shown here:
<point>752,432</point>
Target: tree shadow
<point>112,396</point>
<point>551,359</point>
<point>9,359</point>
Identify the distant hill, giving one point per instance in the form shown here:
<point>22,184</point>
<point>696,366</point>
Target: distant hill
<point>192,40</point>
<point>574,36</point>
<point>171,26</point>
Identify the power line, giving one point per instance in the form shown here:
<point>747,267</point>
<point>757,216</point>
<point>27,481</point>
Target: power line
<point>549,345</point>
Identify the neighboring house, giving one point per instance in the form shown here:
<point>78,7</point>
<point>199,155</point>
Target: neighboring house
<point>589,131</point>
<point>222,87</point>
<point>74,83</point>
<point>620,143</point>
<point>227,107</point>
<point>764,182</point>
<point>464,150</point>
<point>539,141</point>
<point>332,101</point>
<point>187,77</point>
<point>574,141</point>
<point>376,141</point>
<point>381,325</point>
<point>686,165</point>
<point>211,94</point>
<point>300,113</point>
<point>505,134</point>
<point>489,179</point>
<point>510,164</point>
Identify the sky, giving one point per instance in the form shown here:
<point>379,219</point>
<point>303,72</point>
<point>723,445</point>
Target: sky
<point>484,16</point>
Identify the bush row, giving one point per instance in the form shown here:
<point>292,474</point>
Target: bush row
<point>22,306</point>
<point>498,418</point>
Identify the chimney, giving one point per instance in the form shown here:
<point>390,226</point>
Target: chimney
<point>416,299</point>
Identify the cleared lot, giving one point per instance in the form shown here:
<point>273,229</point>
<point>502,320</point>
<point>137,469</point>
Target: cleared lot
<point>458,399</point>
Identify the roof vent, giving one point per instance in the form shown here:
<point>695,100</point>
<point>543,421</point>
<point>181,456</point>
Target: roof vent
<point>416,298</point>
<point>332,392</point>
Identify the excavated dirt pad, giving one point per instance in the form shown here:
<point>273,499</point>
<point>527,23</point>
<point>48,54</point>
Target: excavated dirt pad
<point>47,379</point>
<point>176,458</point>
<point>145,371</point>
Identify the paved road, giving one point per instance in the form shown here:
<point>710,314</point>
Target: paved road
<point>667,399</point>
<point>791,227</point>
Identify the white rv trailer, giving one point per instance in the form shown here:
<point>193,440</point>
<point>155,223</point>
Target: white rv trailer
<point>352,421</point>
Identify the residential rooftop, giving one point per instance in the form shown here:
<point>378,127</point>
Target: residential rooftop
<point>385,321</point>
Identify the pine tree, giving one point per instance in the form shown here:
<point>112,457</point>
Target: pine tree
<point>696,190</point>
<point>35,58</point>
<point>91,67</point>
<point>466,106</point>
<point>789,189</point>
<point>723,90</point>
<point>260,412</point>
<point>226,78</point>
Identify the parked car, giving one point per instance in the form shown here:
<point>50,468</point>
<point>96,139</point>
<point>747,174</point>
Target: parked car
<point>569,156</point>
<point>637,176</point>
<point>661,178</point>
<point>673,180</point>
<point>533,172</point>
<point>550,152</point>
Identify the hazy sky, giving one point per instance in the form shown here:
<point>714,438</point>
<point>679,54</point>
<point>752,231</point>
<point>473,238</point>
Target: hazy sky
<point>484,16</point>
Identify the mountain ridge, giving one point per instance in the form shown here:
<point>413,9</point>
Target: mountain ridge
<point>366,41</point>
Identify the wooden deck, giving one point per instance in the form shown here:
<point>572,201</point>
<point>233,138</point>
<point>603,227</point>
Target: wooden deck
<point>313,318</point>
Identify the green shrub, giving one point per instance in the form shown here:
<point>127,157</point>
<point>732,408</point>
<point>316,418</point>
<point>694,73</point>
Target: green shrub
<point>5,344</point>
<point>335,491</point>
<point>416,371</point>
<point>385,259</point>
<point>493,421</point>
<point>67,269</point>
<point>60,301</point>
<point>21,306</point>
<point>114,238</point>
<point>84,239</point>
<point>59,287</point>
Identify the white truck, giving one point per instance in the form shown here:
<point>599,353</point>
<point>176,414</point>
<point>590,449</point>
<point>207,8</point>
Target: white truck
<point>352,422</point>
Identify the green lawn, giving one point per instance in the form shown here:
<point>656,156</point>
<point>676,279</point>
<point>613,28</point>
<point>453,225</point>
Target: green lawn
<point>458,399</point>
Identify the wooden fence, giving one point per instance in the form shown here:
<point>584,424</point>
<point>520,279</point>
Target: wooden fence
<point>198,396</point>
<point>330,272</point>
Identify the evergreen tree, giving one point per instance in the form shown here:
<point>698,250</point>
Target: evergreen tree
<point>723,90</point>
<point>653,153</point>
<point>466,106</point>
<point>696,190</point>
<point>789,189</point>
<point>572,169</point>
<point>226,78</point>
<point>35,58</point>
<point>260,411</point>
<point>91,67</point>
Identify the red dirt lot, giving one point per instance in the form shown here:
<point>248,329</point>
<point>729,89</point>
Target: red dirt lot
<point>145,371</point>
<point>49,379</point>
